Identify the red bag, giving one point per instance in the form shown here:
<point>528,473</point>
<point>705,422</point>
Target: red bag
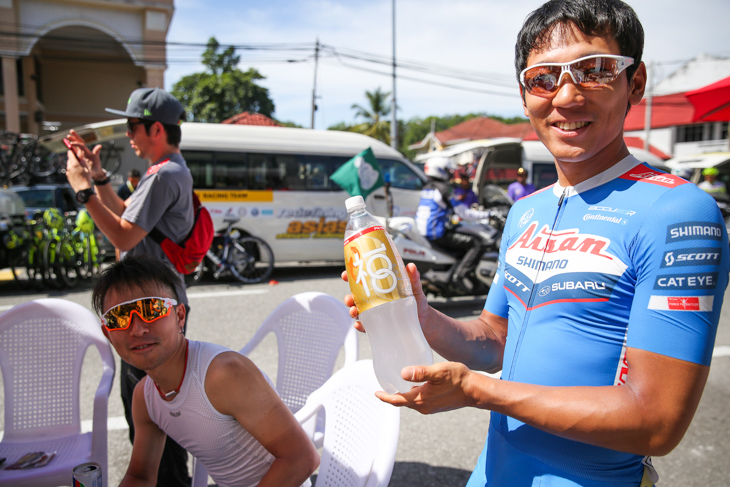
<point>187,255</point>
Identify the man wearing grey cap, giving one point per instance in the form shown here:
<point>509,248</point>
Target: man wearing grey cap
<point>162,200</point>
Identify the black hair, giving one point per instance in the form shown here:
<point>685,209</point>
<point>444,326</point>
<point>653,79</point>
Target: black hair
<point>595,18</point>
<point>138,272</point>
<point>134,173</point>
<point>173,132</point>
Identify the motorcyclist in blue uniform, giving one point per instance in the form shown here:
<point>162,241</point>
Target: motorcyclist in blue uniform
<point>434,220</point>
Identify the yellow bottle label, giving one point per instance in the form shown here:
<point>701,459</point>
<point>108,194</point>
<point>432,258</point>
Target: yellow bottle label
<point>372,269</point>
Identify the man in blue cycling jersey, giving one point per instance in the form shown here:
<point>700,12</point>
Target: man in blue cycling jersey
<point>603,314</point>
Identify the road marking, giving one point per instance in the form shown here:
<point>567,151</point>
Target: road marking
<point>238,292</point>
<point>721,351</point>
<point>112,424</point>
<point>227,293</point>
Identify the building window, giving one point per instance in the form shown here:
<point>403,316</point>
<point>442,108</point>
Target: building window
<point>690,133</point>
<point>702,131</point>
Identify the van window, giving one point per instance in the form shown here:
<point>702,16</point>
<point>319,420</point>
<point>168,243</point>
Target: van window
<point>200,164</point>
<point>231,170</point>
<point>316,171</point>
<point>240,170</point>
<point>401,176</point>
<point>544,175</point>
<point>263,173</point>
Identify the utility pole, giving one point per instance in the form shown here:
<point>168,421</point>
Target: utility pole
<point>314,88</point>
<point>394,122</point>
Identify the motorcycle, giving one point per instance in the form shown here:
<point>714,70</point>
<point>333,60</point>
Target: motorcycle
<point>436,265</point>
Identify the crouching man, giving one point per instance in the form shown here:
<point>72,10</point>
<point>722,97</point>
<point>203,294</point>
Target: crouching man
<point>211,400</point>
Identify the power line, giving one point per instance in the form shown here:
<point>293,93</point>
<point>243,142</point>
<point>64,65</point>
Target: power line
<point>175,48</point>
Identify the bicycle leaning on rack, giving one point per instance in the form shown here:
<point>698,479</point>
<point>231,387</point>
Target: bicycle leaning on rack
<point>246,258</point>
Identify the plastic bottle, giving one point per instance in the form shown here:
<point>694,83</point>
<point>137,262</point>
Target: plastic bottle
<point>384,298</point>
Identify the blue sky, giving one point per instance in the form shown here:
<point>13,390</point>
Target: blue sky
<point>472,37</point>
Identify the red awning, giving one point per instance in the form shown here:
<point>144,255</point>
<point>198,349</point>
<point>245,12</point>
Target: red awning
<point>711,102</point>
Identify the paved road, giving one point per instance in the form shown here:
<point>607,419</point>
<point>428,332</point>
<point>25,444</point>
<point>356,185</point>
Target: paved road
<point>438,450</point>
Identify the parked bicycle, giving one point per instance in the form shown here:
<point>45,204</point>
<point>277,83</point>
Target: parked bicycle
<point>58,256</point>
<point>54,250</point>
<point>26,257</point>
<point>26,159</point>
<point>246,258</point>
<point>86,250</point>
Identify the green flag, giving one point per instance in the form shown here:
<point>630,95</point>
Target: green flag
<point>360,175</point>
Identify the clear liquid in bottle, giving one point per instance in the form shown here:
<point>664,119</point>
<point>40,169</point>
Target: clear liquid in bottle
<point>384,298</point>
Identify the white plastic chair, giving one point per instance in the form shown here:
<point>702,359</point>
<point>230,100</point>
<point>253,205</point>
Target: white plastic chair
<point>360,431</point>
<point>310,330</point>
<point>42,347</point>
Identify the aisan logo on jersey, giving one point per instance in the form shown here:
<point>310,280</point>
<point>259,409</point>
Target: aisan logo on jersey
<point>563,266</point>
<point>648,175</point>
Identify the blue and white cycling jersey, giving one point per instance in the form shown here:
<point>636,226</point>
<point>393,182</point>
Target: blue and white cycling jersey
<point>632,257</point>
<point>434,210</point>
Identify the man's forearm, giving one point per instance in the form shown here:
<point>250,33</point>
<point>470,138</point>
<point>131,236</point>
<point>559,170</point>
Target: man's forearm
<point>131,481</point>
<point>110,199</point>
<point>474,343</point>
<point>123,235</point>
<point>648,416</point>
<point>285,472</point>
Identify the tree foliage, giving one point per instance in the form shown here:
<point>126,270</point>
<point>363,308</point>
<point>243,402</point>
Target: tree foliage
<point>374,113</point>
<point>415,129</point>
<point>223,90</point>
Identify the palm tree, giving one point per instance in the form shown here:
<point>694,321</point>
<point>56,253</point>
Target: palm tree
<point>375,124</point>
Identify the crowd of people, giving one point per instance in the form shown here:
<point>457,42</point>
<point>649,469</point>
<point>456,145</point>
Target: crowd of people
<point>604,351</point>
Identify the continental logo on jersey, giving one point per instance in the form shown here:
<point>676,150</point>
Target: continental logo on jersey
<point>693,231</point>
<point>646,174</point>
<point>681,303</point>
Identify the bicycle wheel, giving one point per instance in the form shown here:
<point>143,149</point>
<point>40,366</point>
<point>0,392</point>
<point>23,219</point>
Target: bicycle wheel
<point>34,265</point>
<point>89,266</point>
<point>69,266</point>
<point>197,275</point>
<point>111,157</point>
<point>19,267</point>
<point>251,259</point>
<point>84,264</point>
<point>52,269</point>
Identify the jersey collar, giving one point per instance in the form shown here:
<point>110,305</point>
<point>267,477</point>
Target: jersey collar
<point>627,163</point>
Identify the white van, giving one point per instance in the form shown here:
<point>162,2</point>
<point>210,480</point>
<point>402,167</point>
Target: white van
<point>690,166</point>
<point>277,180</point>
<point>497,160</point>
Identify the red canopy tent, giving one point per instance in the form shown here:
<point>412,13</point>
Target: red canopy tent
<point>711,102</point>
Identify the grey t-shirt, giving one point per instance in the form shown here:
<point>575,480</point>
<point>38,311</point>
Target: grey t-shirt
<point>163,200</point>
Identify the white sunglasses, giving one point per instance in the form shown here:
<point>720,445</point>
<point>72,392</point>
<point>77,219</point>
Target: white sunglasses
<point>588,72</point>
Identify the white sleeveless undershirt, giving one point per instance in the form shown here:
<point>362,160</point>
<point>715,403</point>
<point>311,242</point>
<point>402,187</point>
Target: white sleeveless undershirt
<point>230,454</point>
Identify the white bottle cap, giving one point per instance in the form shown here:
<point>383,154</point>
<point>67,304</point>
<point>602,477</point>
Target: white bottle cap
<point>354,203</point>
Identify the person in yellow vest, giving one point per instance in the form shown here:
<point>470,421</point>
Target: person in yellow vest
<point>126,189</point>
<point>711,184</point>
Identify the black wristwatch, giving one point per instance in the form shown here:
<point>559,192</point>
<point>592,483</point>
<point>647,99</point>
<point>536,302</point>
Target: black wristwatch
<point>84,195</point>
<point>101,182</point>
